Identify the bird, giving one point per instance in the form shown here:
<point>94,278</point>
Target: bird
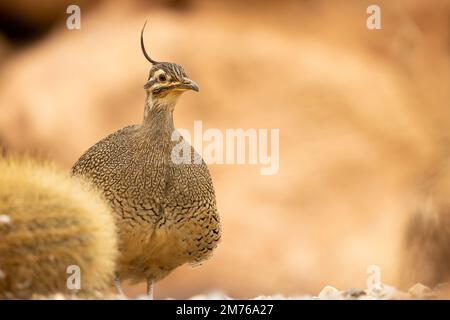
<point>165,210</point>
<point>53,228</point>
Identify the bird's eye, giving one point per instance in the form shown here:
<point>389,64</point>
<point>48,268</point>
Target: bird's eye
<point>162,78</point>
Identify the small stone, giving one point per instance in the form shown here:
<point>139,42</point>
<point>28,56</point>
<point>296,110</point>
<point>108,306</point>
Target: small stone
<point>390,293</point>
<point>419,290</point>
<point>272,297</point>
<point>199,297</point>
<point>4,219</point>
<point>59,296</point>
<point>213,295</point>
<point>329,292</point>
<point>141,297</point>
<point>354,293</point>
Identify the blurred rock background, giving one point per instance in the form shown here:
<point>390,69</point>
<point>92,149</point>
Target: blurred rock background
<point>362,115</point>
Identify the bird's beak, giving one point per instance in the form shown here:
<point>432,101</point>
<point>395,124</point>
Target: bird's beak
<point>188,84</point>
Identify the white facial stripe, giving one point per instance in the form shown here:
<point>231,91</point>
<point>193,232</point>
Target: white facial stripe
<point>158,73</point>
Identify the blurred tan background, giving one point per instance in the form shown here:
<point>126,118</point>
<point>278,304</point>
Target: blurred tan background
<point>362,115</point>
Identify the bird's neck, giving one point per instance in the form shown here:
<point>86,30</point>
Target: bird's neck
<point>158,115</point>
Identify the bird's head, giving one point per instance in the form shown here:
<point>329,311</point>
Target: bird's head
<point>166,80</point>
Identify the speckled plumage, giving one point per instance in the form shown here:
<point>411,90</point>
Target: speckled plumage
<point>165,212</point>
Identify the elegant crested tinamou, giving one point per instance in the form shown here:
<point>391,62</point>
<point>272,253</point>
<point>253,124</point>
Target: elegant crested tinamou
<point>165,210</point>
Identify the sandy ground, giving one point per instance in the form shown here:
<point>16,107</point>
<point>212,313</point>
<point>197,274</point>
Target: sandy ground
<point>381,292</point>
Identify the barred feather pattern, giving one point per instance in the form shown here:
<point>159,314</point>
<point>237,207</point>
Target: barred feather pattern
<point>166,213</point>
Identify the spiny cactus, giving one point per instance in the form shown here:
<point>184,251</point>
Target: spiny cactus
<point>50,221</point>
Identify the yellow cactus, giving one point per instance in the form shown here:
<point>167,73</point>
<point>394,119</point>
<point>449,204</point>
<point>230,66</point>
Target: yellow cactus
<point>52,226</point>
